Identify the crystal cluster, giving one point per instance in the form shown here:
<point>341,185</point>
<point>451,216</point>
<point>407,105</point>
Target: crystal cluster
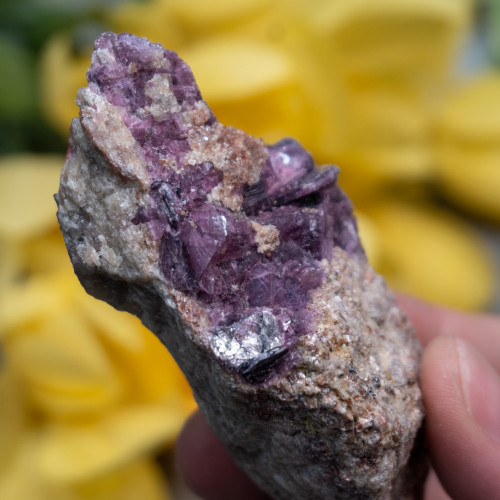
<point>245,260</point>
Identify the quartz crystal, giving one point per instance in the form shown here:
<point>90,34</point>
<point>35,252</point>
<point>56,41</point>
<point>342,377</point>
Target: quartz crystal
<point>244,259</point>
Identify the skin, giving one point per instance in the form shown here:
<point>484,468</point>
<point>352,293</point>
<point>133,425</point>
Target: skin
<point>460,381</point>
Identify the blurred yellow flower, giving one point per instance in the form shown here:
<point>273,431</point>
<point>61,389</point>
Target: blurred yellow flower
<point>431,254</point>
<point>198,17</point>
<point>151,19</point>
<point>468,165</point>
<point>410,40</point>
<point>62,73</point>
<point>87,392</point>
<point>388,138</point>
<point>392,58</point>
<point>244,80</point>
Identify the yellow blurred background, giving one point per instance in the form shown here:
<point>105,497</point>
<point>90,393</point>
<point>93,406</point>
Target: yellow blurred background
<point>403,96</point>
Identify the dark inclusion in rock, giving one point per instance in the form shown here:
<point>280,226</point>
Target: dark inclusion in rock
<point>254,345</point>
<point>244,260</point>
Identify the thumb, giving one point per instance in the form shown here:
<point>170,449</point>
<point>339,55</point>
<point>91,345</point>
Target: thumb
<point>462,398</point>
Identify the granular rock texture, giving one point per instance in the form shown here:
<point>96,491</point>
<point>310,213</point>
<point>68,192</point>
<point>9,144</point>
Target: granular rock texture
<point>244,259</point>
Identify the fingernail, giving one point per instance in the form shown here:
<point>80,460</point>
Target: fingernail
<point>481,388</point>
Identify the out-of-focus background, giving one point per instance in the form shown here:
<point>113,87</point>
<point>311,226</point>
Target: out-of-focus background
<point>403,96</point>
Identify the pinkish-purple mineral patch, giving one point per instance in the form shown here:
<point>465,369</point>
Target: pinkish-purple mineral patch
<point>245,260</point>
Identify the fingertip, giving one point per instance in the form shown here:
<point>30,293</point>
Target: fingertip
<point>424,316</point>
<point>434,489</point>
<point>208,468</point>
<point>192,445</point>
<point>439,377</point>
<point>463,452</point>
<point>431,321</point>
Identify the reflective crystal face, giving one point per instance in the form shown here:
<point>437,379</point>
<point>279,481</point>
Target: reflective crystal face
<point>254,345</point>
<point>242,341</point>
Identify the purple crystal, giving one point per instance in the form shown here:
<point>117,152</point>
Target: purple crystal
<point>212,234</point>
<point>175,265</point>
<point>303,227</point>
<point>123,77</point>
<point>207,254</point>
<point>123,73</point>
<point>198,181</point>
<point>288,161</point>
<point>263,255</point>
<point>269,286</point>
<point>289,175</point>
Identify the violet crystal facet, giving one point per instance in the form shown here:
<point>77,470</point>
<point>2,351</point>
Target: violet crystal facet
<point>244,259</point>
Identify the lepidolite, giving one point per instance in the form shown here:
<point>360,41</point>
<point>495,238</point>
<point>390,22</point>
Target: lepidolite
<point>244,259</point>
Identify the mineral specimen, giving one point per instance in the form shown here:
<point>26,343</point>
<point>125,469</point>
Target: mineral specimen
<point>244,259</point>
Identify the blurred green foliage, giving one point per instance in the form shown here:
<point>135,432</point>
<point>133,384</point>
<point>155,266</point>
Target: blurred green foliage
<point>25,26</point>
<point>489,18</point>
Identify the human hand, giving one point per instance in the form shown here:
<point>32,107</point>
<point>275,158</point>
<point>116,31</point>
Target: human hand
<point>461,388</point>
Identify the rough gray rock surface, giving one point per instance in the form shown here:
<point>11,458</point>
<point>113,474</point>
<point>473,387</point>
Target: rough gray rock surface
<point>244,260</point>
